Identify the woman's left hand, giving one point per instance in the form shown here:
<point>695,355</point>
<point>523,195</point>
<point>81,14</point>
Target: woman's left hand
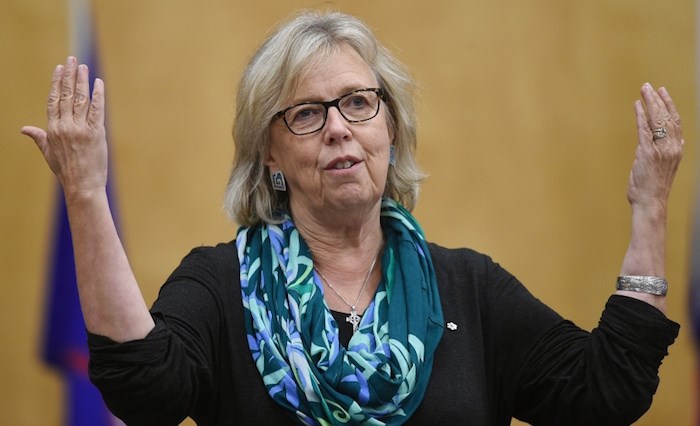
<point>659,149</point>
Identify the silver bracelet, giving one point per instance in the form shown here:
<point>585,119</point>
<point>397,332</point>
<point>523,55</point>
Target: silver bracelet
<point>643,284</point>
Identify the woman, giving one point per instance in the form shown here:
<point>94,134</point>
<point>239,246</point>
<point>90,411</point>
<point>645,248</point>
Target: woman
<point>330,306</point>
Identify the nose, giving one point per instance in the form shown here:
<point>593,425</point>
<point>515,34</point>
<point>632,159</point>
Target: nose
<point>336,128</point>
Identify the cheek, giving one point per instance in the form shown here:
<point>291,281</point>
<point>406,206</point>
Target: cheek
<point>384,138</point>
<point>289,154</point>
<point>298,160</point>
<point>378,152</point>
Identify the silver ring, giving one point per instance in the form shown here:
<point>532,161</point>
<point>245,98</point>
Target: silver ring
<point>659,133</point>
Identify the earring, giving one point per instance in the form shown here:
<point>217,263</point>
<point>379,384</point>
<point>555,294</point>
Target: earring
<point>392,155</point>
<point>277,179</point>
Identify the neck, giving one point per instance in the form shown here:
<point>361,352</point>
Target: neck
<point>344,246</point>
<point>343,252</point>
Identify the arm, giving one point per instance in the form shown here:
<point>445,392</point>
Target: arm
<point>171,373</point>
<point>75,147</point>
<point>654,168</point>
<point>610,376</point>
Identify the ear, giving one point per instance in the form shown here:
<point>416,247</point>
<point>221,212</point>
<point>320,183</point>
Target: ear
<point>269,160</point>
<point>390,127</point>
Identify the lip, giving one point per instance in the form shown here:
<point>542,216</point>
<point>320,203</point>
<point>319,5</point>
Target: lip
<point>330,166</point>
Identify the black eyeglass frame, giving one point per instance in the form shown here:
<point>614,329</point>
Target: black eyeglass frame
<point>334,103</point>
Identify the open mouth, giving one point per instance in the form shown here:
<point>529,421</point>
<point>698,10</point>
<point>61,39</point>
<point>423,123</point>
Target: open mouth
<point>343,165</point>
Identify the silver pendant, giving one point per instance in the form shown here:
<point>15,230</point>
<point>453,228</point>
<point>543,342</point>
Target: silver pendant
<point>354,319</point>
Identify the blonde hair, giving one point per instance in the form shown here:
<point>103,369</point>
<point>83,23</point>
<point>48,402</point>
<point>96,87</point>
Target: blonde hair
<point>269,81</point>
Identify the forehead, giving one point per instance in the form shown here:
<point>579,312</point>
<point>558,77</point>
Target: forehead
<point>334,75</point>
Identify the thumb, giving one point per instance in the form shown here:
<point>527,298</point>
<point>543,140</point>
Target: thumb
<point>39,136</point>
<point>36,133</point>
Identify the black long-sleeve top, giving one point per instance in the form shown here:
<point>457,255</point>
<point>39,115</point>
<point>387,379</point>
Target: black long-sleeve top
<point>504,354</point>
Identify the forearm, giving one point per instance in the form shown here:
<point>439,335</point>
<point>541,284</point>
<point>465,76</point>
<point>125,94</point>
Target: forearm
<point>606,377</point>
<point>110,298</point>
<point>646,251</point>
<point>659,151</point>
<point>145,382</point>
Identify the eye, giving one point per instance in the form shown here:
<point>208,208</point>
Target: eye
<point>305,113</point>
<point>356,101</point>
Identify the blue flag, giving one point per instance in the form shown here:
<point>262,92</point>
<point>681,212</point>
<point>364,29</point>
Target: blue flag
<point>65,337</point>
<point>695,275</point>
<point>694,298</point>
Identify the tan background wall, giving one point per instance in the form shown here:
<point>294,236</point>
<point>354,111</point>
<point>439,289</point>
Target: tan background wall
<point>526,128</point>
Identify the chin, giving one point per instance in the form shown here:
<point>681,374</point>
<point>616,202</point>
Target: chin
<point>353,200</point>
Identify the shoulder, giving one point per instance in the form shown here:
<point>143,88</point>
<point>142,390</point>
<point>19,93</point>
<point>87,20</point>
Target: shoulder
<point>462,262</point>
<point>446,254</point>
<point>222,252</point>
<point>205,272</point>
<point>466,278</point>
<point>221,259</point>
<point>468,275</point>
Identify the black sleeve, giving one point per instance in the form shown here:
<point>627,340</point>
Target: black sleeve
<point>606,377</point>
<point>161,379</point>
<point>548,371</point>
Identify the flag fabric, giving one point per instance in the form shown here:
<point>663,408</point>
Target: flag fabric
<point>694,299</point>
<point>65,339</point>
<point>64,347</point>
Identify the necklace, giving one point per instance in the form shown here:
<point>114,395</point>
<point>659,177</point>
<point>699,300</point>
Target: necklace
<point>354,318</point>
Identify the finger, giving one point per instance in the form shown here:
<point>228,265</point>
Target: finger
<point>81,96</point>
<point>52,111</point>
<point>670,105</point>
<point>96,112</point>
<point>651,99</point>
<point>68,87</point>
<point>656,109</point>
<point>643,130</point>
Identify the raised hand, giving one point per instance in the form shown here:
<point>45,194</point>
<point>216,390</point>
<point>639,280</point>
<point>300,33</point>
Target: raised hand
<point>659,149</point>
<point>74,144</point>
<point>75,147</point>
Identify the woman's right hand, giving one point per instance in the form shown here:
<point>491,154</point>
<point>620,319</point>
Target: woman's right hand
<point>75,147</point>
<point>75,143</point>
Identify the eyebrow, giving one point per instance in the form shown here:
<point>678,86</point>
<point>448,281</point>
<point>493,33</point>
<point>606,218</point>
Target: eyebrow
<point>345,90</point>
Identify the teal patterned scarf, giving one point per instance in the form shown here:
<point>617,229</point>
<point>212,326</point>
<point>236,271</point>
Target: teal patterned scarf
<point>382,376</point>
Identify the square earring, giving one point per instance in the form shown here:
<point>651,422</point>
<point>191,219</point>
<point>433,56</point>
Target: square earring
<point>277,179</point>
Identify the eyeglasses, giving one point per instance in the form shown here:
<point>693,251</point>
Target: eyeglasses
<point>355,107</point>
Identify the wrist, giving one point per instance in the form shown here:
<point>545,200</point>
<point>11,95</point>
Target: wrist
<point>648,284</point>
<point>650,210</point>
<point>647,246</point>
<point>77,197</point>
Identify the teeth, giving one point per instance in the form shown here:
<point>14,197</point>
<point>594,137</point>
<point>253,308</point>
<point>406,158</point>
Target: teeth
<point>343,164</point>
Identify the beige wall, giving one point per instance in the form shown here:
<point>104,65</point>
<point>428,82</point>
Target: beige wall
<point>526,128</point>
